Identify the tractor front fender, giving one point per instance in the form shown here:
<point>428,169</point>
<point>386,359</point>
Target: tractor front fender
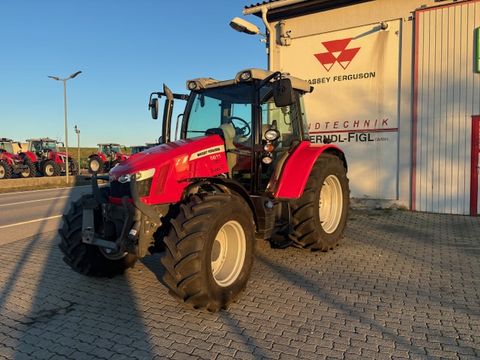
<point>297,168</point>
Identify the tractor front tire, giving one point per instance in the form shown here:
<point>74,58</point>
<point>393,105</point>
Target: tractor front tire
<point>51,168</point>
<point>5,170</point>
<point>319,217</point>
<point>84,258</point>
<point>31,170</point>
<point>95,165</point>
<point>209,250</point>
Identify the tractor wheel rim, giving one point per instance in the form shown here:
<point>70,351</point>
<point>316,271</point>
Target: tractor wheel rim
<point>228,253</point>
<point>2,172</point>
<point>49,170</point>
<point>26,173</point>
<point>94,165</point>
<point>331,204</point>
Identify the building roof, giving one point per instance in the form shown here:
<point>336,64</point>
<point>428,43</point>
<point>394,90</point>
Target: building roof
<point>292,8</point>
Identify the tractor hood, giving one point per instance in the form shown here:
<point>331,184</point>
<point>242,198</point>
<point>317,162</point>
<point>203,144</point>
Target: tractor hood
<point>182,159</point>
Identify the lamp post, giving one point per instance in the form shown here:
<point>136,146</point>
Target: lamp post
<point>77,131</point>
<point>67,165</point>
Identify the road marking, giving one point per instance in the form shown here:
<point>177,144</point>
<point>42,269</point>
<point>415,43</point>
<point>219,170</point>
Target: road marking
<point>52,189</point>
<point>32,201</point>
<point>30,221</point>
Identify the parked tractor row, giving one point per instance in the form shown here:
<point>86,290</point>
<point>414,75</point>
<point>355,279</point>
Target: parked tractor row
<point>41,157</point>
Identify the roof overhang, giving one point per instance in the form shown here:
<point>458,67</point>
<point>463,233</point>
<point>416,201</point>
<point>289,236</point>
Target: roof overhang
<point>284,9</point>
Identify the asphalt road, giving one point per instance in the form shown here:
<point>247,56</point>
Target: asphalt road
<point>29,213</point>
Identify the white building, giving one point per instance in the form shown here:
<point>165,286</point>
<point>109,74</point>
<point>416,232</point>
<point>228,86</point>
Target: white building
<point>397,86</point>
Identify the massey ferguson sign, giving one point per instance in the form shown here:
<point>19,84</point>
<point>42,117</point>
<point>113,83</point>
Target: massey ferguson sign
<point>337,52</point>
<point>355,75</point>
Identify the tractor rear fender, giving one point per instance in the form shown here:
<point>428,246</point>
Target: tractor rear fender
<point>297,168</point>
<point>100,155</point>
<point>30,155</point>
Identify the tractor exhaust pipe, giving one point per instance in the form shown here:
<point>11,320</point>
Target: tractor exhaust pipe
<point>167,114</point>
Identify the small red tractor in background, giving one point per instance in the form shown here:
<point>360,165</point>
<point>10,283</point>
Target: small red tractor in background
<point>107,156</point>
<point>243,168</point>
<point>11,164</point>
<point>51,161</point>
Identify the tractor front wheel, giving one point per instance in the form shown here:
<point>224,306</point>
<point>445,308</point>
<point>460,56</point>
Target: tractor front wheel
<point>51,168</point>
<point>95,165</point>
<point>31,170</point>
<point>5,170</point>
<point>209,250</point>
<point>320,215</point>
<point>84,258</point>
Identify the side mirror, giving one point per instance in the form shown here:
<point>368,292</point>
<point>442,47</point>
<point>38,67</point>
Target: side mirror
<point>283,93</point>
<point>153,107</point>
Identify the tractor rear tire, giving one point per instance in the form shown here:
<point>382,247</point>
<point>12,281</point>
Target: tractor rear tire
<point>5,170</point>
<point>50,168</point>
<point>209,250</point>
<point>32,169</point>
<point>95,165</point>
<point>84,258</point>
<point>320,215</point>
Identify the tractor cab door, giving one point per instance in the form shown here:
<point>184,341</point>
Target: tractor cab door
<point>289,122</point>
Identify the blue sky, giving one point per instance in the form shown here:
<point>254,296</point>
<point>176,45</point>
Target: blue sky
<point>125,49</point>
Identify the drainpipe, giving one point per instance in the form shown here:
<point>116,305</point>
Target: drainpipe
<point>263,9</point>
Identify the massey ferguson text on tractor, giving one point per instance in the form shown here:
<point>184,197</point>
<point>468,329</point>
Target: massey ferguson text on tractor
<point>51,161</point>
<point>13,164</point>
<point>106,157</point>
<point>242,168</point>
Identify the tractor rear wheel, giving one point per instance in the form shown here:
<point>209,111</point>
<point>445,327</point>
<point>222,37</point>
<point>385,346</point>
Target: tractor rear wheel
<point>51,168</point>
<point>31,170</point>
<point>209,250</point>
<point>5,170</point>
<point>320,215</point>
<point>95,165</point>
<point>84,258</point>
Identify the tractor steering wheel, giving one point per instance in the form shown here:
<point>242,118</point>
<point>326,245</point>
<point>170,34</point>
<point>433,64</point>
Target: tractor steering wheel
<point>244,130</point>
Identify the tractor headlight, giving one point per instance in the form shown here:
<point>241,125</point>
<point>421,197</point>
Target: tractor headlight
<point>139,176</point>
<point>192,85</point>
<point>144,174</point>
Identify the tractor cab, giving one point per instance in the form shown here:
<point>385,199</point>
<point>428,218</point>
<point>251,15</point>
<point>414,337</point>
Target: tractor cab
<point>259,115</point>
<point>6,145</point>
<point>42,146</point>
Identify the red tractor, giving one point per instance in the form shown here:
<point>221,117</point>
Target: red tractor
<point>243,168</point>
<point>107,156</point>
<point>15,164</point>
<point>51,161</point>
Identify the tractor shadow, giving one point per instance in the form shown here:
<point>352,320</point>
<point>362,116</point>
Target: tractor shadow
<point>46,309</point>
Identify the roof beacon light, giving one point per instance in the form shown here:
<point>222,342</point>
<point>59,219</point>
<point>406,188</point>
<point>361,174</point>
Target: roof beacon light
<point>192,85</point>
<point>245,76</point>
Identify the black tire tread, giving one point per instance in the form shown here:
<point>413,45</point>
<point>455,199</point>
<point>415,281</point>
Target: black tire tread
<point>83,258</point>
<point>305,233</point>
<point>184,250</point>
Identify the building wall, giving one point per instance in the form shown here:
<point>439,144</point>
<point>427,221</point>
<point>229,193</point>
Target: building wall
<point>448,95</point>
<point>346,21</point>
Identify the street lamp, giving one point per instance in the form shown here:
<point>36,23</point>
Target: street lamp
<point>77,131</point>
<point>67,165</point>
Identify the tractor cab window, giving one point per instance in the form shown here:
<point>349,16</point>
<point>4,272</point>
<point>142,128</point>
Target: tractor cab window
<point>115,149</point>
<point>226,108</point>
<point>6,146</point>
<point>49,145</point>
